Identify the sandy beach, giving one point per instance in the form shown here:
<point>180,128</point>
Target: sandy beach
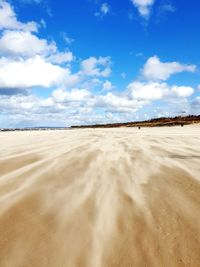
<point>100,198</point>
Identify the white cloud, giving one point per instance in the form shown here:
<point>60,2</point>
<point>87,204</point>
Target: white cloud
<point>118,103</point>
<point>182,91</point>
<point>100,67</point>
<point>61,58</point>
<point>151,91</point>
<point>26,73</point>
<point>154,69</point>
<point>79,106</point>
<point>23,43</point>
<point>107,85</point>
<point>26,60</point>
<point>29,61</point>
<point>60,95</point>
<point>147,91</point>
<point>8,19</point>
<point>143,6</point>
<point>26,44</point>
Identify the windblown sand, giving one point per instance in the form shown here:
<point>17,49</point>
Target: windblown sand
<point>100,198</point>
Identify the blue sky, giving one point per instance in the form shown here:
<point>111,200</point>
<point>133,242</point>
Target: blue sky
<point>75,62</point>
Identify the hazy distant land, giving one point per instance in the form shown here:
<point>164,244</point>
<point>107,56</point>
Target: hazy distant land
<point>158,122</point>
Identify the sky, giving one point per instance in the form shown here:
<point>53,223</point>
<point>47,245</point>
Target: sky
<point>77,62</point>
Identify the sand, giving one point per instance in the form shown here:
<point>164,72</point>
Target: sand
<point>100,198</point>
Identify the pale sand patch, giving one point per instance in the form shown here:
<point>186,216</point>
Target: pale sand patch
<point>100,198</point>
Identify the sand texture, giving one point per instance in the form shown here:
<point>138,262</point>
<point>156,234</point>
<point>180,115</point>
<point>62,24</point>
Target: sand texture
<point>100,198</point>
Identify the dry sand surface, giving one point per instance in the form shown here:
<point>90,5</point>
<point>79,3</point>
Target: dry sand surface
<point>100,198</point>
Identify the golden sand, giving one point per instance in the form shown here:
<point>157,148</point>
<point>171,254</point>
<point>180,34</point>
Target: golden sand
<point>100,198</point>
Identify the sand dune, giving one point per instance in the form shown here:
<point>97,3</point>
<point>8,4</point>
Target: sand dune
<point>100,198</point>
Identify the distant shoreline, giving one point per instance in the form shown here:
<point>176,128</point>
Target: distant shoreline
<point>160,122</point>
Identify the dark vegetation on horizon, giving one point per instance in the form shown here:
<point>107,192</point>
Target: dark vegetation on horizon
<point>175,121</point>
<point>159,122</point>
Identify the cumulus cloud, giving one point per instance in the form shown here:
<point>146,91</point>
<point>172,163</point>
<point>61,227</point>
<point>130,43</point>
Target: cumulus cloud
<point>27,44</point>
<point>147,91</point>
<point>26,60</point>
<point>151,91</point>
<point>8,19</point>
<point>61,95</point>
<point>61,58</point>
<point>17,104</point>
<point>24,43</point>
<point>26,73</point>
<point>182,91</point>
<point>118,103</point>
<point>154,69</point>
<point>100,67</point>
<point>79,106</point>
<point>144,7</point>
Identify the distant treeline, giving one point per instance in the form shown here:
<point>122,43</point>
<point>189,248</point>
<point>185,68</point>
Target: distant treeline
<point>159,122</point>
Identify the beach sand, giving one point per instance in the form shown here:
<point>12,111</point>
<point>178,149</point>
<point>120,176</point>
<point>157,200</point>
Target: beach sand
<point>100,198</point>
